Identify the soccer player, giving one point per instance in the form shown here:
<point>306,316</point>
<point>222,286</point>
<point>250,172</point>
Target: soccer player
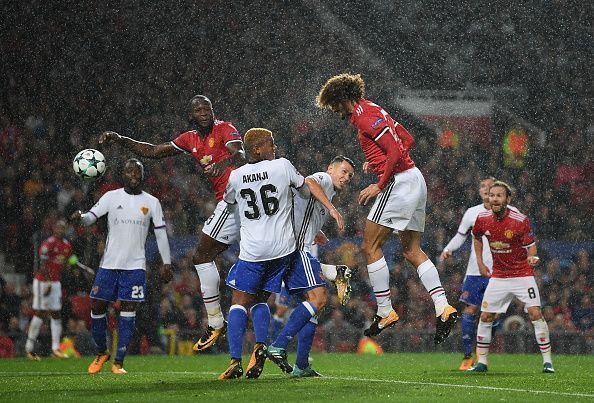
<point>474,285</point>
<point>122,272</point>
<point>261,193</point>
<point>400,205</point>
<point>514,254</point>
<point>217,147</point>
<point>47,290</point>
<point>304,279</point>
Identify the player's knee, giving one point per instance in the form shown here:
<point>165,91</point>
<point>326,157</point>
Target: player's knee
<point>534,314</point>
<point>487,317</point>
<point>318,297</point>
<point>471,309</point>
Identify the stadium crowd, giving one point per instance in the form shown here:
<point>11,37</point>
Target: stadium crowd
<point>143,95</point>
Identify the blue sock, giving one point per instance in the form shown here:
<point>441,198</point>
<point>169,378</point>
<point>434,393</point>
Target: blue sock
<point>236,322</point>
<point>275,328</point>
<point>99,331</point>
<point>468,332</point>
<point>125,332</point>
<point>261,321</point>
<point>300,316</point>
<point>304,342</point>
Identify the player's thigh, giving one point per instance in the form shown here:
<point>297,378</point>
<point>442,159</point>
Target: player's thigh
<point>38,289</point>
<point>207,249</point>
<point>105,286</point>
<point>497,296</point>
<point>53,301</point>
<point>526,290</point>
<point>275,269</point>
<point>374,236</point>
<point>132,285</point>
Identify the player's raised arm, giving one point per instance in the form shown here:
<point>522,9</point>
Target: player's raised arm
<point>318,193</point>
<point>139,148</point>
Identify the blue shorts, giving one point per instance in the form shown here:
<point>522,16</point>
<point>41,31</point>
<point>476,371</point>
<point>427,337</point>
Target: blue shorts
<point>253,277</point>
<point>305,274</point>
<point>473,290</point>
<point>125,285</point>
<point>286,299</point>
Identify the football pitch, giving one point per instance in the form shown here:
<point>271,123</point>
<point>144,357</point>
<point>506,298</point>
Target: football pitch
<point>346,377</point>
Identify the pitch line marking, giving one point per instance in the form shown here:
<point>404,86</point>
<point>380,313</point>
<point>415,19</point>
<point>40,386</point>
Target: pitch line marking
<point>338,378</point>
<point>341,378</point>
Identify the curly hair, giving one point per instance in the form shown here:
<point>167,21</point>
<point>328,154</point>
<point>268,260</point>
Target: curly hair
<point>341,87</point>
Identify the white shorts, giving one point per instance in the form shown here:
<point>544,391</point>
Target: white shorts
<point>501,291</point>
<point>50,302</point>
<point>401,204</point>
<point>223,225</point>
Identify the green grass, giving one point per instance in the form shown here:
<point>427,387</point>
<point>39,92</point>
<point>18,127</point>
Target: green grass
<point>347,377</point>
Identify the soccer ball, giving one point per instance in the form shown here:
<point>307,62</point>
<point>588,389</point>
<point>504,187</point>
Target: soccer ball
<point>89,164</point>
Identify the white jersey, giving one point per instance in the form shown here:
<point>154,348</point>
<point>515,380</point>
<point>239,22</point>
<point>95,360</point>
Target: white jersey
<point>128,220</point>
<point>464,229</point>
<point>310,215</point>
<point>262,193</point>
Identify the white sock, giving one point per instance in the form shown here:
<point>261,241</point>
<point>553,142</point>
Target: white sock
<point>541,331</point>
<point>34,327</point>
<point>56,328</point>
<point>483,340</point>
<point>430,279</point>
<point>329,271</point>
<point>379,276</point>
<point>209,285</point>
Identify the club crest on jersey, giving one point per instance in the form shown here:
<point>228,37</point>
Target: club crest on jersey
<point>211,142</point>
<point>206,159</point>
<point>144,210</point>
<point>509,234</point>
<point>95,290</point>
<point>377,123</point>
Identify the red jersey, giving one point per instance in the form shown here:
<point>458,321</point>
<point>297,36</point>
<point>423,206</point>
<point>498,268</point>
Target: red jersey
<point>508,241</point>
<point>210,149</point>
<point>384,141</point>
<point>53,252</point>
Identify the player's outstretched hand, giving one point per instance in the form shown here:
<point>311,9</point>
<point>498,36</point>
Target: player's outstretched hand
<point>338,218</point>
<point>444,255</point>
<point>215,169</point>
<point>76,215</point>
<point>166,273</point>
<point>368,193</point>
<point>108,137</point>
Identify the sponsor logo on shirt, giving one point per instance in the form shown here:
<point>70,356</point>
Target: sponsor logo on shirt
<point>377,122</point>
<point>119,221</point>
<point>206,160</point>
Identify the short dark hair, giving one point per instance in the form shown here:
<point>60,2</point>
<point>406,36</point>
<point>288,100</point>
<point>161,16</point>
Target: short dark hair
<point>342,158</point>
<point>135,161</point>
<point>199,98</point>
<point>502,184</point>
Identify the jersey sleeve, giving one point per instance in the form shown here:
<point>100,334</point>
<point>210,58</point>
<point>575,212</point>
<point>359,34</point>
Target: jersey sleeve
<point>158,216</point>
<point>295,178</point>
<point>102,206</point>
<point>230,191</point>
<point>528,236</point>
<point>466,223</point>
<point>477,229</point>
<point>324,179</point>
<point>230,134</point>
<point>182,142</point>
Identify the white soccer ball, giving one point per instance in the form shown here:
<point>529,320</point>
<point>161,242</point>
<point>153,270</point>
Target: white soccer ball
<point>89,164</point>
